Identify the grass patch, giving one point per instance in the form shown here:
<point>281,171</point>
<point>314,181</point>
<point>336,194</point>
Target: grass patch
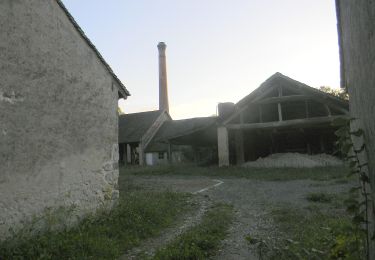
<point>201,241</point>
<point>320,197</point>
<point>311,235</point>
<point>270,174</point>
<point>105,235</point>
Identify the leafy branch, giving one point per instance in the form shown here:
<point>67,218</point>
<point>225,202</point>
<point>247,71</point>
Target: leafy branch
<point>351,154</point>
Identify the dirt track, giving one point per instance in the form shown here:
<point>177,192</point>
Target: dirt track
<point>253,200</point>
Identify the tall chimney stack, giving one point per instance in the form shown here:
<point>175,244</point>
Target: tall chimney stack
<point>163,86</point>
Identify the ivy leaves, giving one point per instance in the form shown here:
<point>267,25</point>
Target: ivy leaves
<point>351,153</point>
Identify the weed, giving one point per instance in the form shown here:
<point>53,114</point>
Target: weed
<point>201,241</point>
<point>105,235</point>
<point>310,235</point>
<point>267,174</point>
<point>320,197</point>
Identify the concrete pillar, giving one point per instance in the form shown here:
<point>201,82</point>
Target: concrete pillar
<point>223,146</point>
<point>163,86</point>
<point>240,153</point>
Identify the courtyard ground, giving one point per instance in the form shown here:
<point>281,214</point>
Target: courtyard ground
<point>259,198</point>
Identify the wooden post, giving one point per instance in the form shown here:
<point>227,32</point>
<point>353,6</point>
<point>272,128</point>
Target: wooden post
<point>223,146</point>
<point>169,153</point>
<point>307,108</point>
<point>240,155</point>
<point>279,105</point>
<point>141,154</point>
<point>124,158</point>
<point>328,110</point>
<point>322,146</point>
<point>128,154</point>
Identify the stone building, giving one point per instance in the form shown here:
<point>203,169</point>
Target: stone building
<point>58,115</point>
<point>136,130</point>
<point>191,140</point>
<point>356,29</point>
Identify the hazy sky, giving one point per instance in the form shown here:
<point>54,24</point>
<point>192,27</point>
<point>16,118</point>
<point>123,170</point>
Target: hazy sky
<point>217,50</point>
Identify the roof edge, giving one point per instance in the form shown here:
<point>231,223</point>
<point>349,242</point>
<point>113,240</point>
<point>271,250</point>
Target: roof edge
<point>122,89</point>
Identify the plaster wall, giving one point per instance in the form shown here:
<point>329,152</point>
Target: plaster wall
<point>153,159</point>
<point>58,116</point>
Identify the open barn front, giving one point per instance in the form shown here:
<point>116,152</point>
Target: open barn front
<point>262,143</point>
<point>281,116</point>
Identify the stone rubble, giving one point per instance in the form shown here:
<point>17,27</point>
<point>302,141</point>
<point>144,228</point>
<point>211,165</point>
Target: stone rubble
<point>295,160</point>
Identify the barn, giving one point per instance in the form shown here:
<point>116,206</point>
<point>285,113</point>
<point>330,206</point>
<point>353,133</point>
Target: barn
<point>136,130</point>
<point>281,115</point>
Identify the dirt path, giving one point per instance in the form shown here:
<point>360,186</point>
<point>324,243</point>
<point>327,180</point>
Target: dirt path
<point>148,248</point>
<point>253,200</point>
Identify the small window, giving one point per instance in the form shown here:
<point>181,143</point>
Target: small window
<point>161,155</point>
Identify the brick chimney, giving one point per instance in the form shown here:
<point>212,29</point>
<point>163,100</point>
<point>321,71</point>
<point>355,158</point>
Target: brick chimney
<point>163,86</point>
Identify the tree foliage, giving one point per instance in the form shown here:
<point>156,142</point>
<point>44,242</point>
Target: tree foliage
<point>341,93</point>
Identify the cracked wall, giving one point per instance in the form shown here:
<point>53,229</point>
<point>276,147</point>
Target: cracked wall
<point>58,117</point>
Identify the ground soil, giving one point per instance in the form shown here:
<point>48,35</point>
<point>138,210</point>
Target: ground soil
<point>253,200</point>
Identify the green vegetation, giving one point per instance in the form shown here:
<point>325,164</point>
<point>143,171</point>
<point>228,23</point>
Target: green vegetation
<point>201,241</point>
<point>269,174</point>
<point>105,235</point>
<point>320,197</point>
<point>310,235</point>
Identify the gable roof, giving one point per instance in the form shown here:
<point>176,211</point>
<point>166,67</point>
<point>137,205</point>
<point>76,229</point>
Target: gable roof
<point>122,89</point>
<point>133,126</point>
<point>178,128</point>
<point>279,79</point>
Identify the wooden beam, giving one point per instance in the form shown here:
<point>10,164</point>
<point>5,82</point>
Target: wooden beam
<point>279,104</point>
<point>239,140</point>
<point>261,95</point>
<point>307,108</point>
<point>241,117</point>
<point>281,99</point>
<point>280,112</point>
<point>302,98</point>
<point>286,123</point>
<point>280,90</point>
<point>328,110</point>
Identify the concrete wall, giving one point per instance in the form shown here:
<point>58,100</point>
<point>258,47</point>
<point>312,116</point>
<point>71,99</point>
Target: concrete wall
<point>58,116</point>
<point>153,159</point>
<point>357,41</point>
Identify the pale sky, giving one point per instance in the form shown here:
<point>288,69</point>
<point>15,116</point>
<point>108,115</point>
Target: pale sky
<point>217,50</point>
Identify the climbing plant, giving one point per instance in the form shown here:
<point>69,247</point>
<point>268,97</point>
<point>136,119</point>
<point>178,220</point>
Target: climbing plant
<point>358,166</point>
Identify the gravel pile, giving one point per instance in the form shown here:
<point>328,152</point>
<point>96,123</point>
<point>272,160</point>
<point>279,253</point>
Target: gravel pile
<point>295,160</point>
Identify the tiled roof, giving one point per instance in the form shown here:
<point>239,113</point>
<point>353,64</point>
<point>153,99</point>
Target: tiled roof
<point>133,126</point>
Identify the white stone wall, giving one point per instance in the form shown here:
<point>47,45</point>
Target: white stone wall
<point>153,159</point>
<point>58,116</point>
<point>357,41</point>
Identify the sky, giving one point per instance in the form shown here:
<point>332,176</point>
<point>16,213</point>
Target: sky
<point>217,50</point>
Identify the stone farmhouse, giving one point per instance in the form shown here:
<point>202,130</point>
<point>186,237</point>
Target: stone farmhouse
<point>281,115</point>
<point>58,115</point>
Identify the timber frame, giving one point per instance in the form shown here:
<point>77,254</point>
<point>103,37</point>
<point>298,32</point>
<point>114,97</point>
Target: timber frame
<point>282,115</point>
